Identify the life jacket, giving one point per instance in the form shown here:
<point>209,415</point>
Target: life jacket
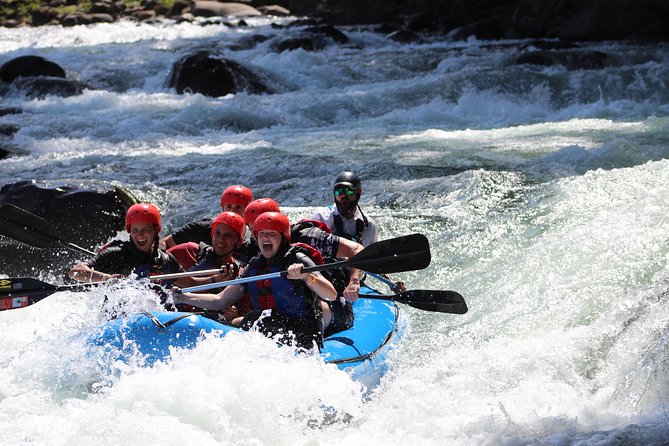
<point>186,254</point>
<point>339,277</point>
<point>291,298</point>
<point>308,223</point>
<point>360,226</point>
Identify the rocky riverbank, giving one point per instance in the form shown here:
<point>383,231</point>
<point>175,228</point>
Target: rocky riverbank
<point>573,20</point>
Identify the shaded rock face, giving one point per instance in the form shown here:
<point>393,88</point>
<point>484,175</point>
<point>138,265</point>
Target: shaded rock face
<point>206,8</point>
<point>84,213</point>
<point>29,66</point>
<point>570,59</point>
<point>40,87</point>
<point>574,20</point>
<point>36,77</point>
<point>210,76</point>
<point>312,38</point>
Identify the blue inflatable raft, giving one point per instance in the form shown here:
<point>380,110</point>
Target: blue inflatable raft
<point>362,351</point>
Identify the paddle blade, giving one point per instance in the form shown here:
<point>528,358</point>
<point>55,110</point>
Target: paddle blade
<point>439,301</point>
<point>19,293</point>
<point>31,229</point>
<point>407,253</point>
<point>428,300</point>
<point>25,227</point>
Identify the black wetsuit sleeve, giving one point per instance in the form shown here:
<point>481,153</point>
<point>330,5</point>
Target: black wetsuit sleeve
<point>112,260</point>
<point>195,231</point>
<point>304,260</point>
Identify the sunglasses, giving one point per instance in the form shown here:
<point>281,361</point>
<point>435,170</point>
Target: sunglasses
<point>344,191</point>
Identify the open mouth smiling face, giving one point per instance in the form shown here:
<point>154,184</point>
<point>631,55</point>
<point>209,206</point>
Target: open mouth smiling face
<point>269,243</point>
<point>142,235</point>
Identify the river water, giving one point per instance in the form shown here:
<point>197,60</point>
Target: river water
<point>543,193</point>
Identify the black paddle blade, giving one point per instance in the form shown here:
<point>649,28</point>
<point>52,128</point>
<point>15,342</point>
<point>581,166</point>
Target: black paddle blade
<point>18,293</point>
<point>25,227</point>
<point>437,301</point>
<point>407,253</point>
<point>24,291</point>
<point>32,229</point>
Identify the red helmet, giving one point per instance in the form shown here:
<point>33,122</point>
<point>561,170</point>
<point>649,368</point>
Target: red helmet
<point>272,221</point>
<point>231,220</point>
<point>259,206</point>
<point>142,213</point>
<point>238,195</point>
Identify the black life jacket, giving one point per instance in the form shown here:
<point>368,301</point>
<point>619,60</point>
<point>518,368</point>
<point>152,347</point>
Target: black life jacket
<point>360,225</point>
<point>339,277</point>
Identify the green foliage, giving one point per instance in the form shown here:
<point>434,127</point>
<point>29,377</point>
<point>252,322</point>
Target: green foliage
<point>23,9</point>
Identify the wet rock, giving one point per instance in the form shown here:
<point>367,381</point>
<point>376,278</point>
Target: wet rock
<point>8,129</point>
<point>179,8</point>
<point>45,15</point>
<point>312,38</point>
<point>29,66</point>
<point>328,31</point>
<point>205,8</point>
<point>40,87</point>
<point>211,76</point>
<point>8,149</point>
<point>490,28</point>
<point>10,111</point>
<point>86,213</point>
<point>86,19</point>
<point>249,42</point>
<point>275,10</point>
<point>570,59</point>
<point>404,36</point>
<point>303,42</point>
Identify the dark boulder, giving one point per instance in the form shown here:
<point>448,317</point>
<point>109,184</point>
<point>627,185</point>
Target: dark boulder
<point>84,213</point>
<point>29,66</point>
<point>328,31</point>
<point>404,36</point>
<point>210,76</point>
<point>10,111</point>
<point>275,10</point>
<point>570,59</point>
<point>40,87</point>
<point>312,38</point>
<point>206,8</point>
<point>85,19</point>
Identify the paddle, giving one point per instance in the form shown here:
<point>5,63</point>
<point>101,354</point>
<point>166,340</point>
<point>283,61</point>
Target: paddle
<point>438,301</point>
<point>21,292</point>
<point>31,229</point>
<point>392,285</point>
<point>406,253</point>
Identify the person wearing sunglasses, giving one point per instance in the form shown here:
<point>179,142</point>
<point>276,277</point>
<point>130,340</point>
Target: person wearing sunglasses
<point>345,217</point>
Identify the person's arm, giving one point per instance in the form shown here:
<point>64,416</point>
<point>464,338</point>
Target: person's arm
<point>166,243</point>
<point>81,272</point>
<point>229,271</point>
<point>220,301</point>
<point>347,249</point>
<point>315,281</point>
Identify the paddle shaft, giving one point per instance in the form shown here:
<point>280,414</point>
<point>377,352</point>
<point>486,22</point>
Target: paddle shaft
<point>392,285</point>
<point>204,272</point>
<point>405,253</point>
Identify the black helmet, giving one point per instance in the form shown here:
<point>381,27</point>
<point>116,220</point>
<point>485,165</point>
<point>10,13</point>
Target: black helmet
<point>349,179</point>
